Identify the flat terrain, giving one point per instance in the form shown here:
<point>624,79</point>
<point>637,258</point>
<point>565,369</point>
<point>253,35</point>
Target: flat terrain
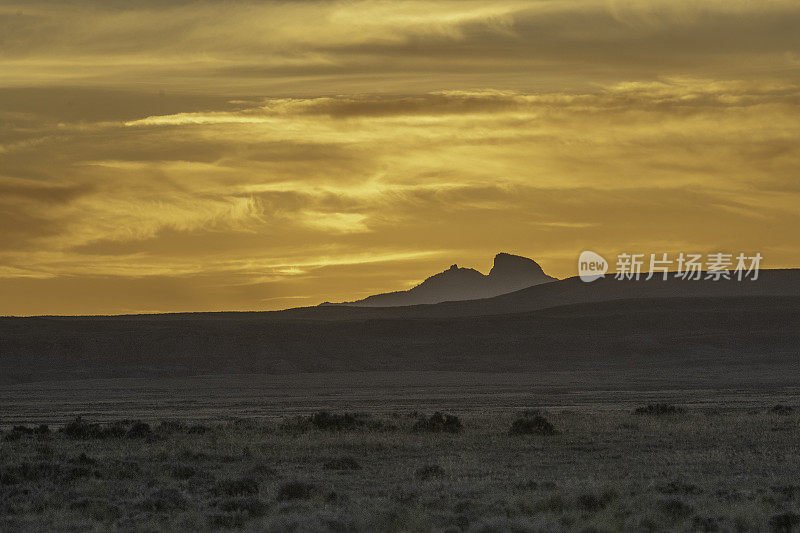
<point>211,421</point>
<point>727,461</point>
<point>707,469</point>
<point>215,398</point>
<point>708,334</point>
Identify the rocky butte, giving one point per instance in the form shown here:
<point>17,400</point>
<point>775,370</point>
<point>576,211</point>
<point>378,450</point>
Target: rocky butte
<point>509,273</point>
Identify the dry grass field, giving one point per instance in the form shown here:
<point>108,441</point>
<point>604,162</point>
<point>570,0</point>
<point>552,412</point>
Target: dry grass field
<point>601,468</point>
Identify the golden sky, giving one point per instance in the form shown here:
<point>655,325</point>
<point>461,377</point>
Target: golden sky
<point>177,156</point>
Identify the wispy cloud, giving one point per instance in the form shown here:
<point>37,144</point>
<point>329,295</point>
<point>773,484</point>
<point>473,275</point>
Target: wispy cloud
<point>336,148</point>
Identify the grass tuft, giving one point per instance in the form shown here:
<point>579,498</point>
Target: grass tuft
<point>659,409</point>
<point>438,422</point>
<point>532,425</point>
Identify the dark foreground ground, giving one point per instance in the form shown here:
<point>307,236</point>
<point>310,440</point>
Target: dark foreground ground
<point>703,470</point>
<point>707,333</point>
<point>725,460</point>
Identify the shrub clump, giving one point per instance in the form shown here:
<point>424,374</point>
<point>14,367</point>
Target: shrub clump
<point>17,432</point>
<point>182,471</point>
<point>659,409</point>
<point>593,503</point>
<point>34,472</point>
<point>296,490</point>
<point>79,429</point>
<point>119,469</point>
<point>705,523</point>
<point>324,421</point>
<point>675,507</point>
<point>429,471</point>
<point>235,512</point>
<point>139,430</point>
<point>82,430</point>
<point>784,522</point>
<point>532,425</point>
<point>163,499</point>
<point>167,427</point>
<point>8,478</point>
<point>438,422</point>
<point>262,469</point>
<point>327,421</point>
<point>12,436</point>
<point>781,409</point>
<point>99,509</point>
<point>335,422</point>
<point>246,505</point>
<point>529,413</point>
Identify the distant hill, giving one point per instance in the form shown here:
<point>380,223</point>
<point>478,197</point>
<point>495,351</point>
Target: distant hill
<point>562,325</point>
<point>777,282</point>
<point>751,334</point>
<point>509,273</point>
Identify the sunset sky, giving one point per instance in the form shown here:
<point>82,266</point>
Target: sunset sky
<point>197,156</point>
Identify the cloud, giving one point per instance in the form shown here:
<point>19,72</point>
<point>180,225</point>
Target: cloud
<point>22,190</point>
<point>407,46</point>
<point>235,147</point>
<point>335,222</point>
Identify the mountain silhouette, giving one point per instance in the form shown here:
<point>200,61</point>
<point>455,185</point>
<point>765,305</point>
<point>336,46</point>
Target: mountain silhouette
<point>509,273</point>
<point>625,325</point>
